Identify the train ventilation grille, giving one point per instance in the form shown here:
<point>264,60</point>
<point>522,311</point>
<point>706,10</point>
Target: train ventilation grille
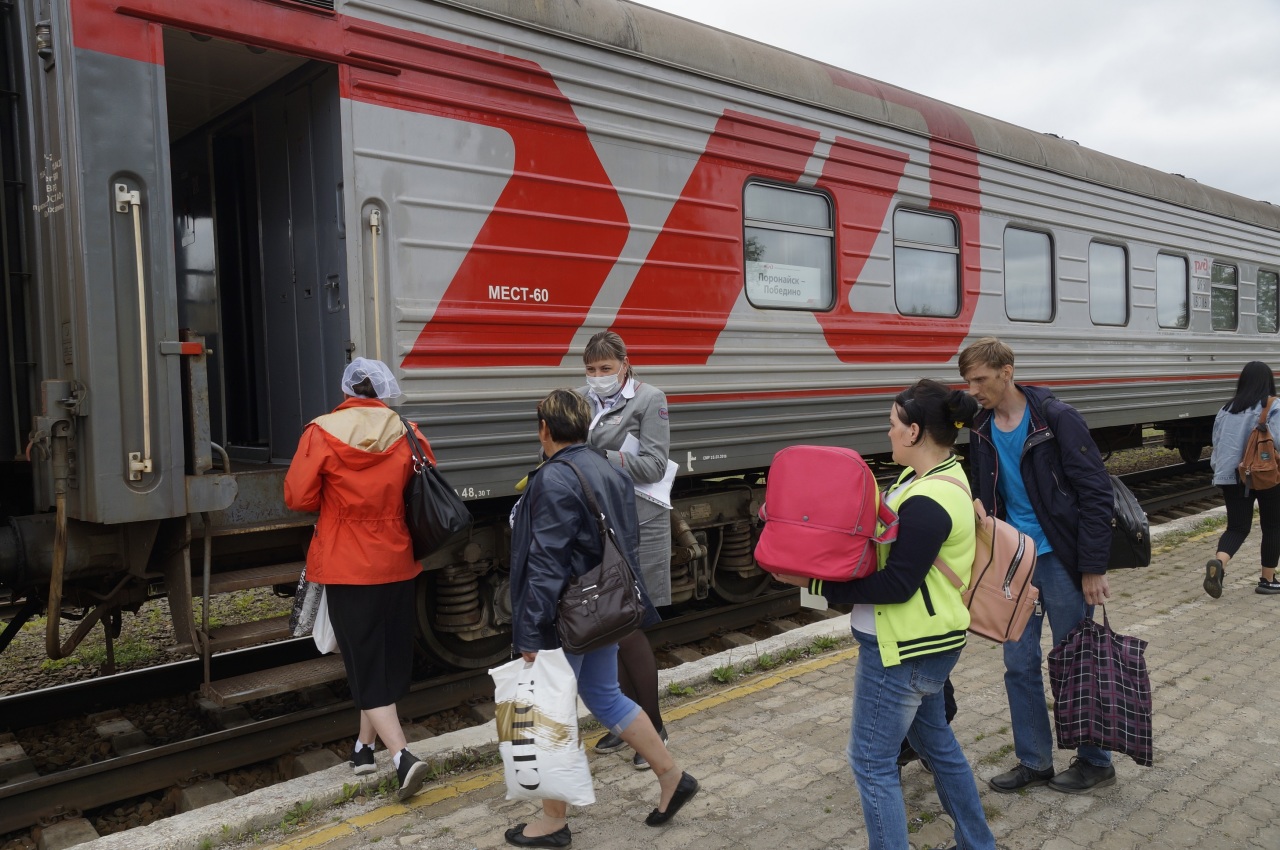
<point>327,5</point>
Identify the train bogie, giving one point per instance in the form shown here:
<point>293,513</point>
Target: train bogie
<point>230,199</point>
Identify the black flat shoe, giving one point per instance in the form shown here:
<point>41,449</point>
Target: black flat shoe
<point>684,793</point>
<point>562,837</point>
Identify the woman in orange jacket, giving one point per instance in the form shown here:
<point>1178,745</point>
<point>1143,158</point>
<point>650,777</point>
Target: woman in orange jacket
<point>352,466</point>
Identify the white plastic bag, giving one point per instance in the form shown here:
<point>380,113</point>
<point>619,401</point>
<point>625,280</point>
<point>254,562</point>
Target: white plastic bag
<point>322,629</point>
<point>537,717</point>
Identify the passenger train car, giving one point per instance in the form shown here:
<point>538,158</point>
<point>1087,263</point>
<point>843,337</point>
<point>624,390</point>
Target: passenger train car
<point>211,205</point>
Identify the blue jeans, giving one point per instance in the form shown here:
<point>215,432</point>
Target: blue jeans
<point>597,673</point>
<point>906,700</point>
<point>1023,675</point>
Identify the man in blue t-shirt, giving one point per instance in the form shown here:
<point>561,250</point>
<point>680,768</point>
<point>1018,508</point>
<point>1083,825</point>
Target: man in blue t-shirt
<point>1036,465</point>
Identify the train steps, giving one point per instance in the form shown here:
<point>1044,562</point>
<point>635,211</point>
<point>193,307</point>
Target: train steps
<point>278,680</point>
<point>239,635</point>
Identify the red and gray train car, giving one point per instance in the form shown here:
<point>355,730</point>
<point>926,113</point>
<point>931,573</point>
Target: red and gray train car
<point>211,205</point>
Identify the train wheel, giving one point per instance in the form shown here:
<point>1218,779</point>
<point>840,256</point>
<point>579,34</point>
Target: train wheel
<point>737,578</point>
<point>732,587</point>
<point>448,647</point>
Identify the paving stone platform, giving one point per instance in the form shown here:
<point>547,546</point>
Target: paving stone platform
<point>769,752</point>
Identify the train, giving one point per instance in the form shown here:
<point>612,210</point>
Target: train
<point>210,206</point>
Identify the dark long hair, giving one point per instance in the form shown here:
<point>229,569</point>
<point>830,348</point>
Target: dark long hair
<point>939,410</point>
<point>1255,384</point>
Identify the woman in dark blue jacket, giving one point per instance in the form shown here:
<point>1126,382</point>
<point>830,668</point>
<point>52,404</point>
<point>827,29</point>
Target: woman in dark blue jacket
<point>554,536</point>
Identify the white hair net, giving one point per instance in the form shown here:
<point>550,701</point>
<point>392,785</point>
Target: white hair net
<point>378,373</point>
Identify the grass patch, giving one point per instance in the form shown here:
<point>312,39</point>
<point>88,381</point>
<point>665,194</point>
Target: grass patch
<point>128,650</point>
<point>1202,528</point>
<point>296,816</point>
<point>824,643</point>
<point>997,756</point>
<point>678,690</point>
<point>724,675</point>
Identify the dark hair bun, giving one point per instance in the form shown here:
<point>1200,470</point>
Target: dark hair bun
<point>961,407</point>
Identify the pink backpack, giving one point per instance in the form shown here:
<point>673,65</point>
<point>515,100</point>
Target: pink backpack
<point>822,513</point>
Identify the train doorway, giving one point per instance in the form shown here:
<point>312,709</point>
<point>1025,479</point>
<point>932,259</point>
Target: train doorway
<point>258,233</point>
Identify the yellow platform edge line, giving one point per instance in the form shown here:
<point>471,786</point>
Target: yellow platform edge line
<point>442,793</point>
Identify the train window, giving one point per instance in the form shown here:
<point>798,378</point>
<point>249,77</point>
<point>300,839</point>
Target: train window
<point>1268,302</point>
<point>1108,285</point>
<point>1028,275</point>
<point>1226,295</point>
<point>787,248</point>
<point>1172,305</point>
<point>926,255</point>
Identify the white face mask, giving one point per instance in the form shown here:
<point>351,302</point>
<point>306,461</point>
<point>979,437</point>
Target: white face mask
<point>605,385</point>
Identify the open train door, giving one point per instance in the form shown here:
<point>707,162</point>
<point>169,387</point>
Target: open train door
<point>259,235</point>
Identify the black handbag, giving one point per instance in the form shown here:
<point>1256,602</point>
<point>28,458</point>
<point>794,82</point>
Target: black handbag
<point>434,513</point>
<point>603,605</point>
<point>1130,532</point>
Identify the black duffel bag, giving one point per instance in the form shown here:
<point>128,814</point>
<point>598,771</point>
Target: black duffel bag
<point>434,513</point>
<point>1130,531</point>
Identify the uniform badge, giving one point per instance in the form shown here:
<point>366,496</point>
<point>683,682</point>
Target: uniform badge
<point>662,413</point>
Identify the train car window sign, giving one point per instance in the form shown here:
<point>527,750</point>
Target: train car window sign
<point>787,248</point>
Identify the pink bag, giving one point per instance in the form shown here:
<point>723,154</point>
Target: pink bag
<point>823,515</point>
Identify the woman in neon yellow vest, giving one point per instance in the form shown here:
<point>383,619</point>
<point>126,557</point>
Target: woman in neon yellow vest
<point>910,622</point>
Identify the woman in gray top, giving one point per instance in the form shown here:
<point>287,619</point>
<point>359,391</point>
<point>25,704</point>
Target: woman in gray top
<point>1254,388</point>
<point>629,423</point>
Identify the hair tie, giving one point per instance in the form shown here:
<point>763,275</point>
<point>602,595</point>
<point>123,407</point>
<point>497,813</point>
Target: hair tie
<point>958,425</point>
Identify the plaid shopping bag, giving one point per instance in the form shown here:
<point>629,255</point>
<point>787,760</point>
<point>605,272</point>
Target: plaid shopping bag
<point>1101,691</point>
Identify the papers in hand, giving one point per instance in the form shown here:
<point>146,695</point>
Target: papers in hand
<point>658,492</point>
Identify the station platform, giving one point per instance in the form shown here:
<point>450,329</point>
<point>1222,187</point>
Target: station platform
<point>768,750</point>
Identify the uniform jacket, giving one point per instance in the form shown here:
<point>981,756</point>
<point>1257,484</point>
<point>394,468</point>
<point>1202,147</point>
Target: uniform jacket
<point>642,412</point>
<point>554,536</point>
<point>1066,481</point>
<point>352,466</point>
<point>1231,433</point>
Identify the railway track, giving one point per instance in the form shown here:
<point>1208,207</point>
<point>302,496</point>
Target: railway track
<point>23,804</point>
<point>1165,493</point>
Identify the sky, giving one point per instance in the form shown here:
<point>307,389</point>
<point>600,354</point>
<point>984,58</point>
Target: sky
<point>1190,87</point>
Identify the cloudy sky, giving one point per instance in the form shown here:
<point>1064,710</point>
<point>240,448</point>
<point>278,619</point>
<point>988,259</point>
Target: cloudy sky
<point>1185,86</point>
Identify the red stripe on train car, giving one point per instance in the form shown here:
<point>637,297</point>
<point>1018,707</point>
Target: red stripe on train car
<point>859,337</point>
<point>681,298</point>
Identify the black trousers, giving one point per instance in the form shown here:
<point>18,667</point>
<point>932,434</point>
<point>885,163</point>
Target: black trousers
<point>1240,521</point>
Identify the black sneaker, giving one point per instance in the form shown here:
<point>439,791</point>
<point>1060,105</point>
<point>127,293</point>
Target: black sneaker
<point>1268,587</point>
<point>1018,778</point>
<point>412,773</point>
<point>638,761</point>
<point>1213,576</point>
<point>362,761</point>
<point>1083,777</point>
<point>610,743</point>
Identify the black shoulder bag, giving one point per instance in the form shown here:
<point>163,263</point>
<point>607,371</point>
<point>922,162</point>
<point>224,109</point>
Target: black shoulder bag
<point>603,605</point>
<point>433,512</point>
<point>1130,530</point>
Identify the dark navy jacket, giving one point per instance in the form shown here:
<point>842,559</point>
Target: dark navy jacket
<point>554,536</point>
<point>1069,488</point>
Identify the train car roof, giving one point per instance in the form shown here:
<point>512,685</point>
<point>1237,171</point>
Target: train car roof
<point>671,40</point>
